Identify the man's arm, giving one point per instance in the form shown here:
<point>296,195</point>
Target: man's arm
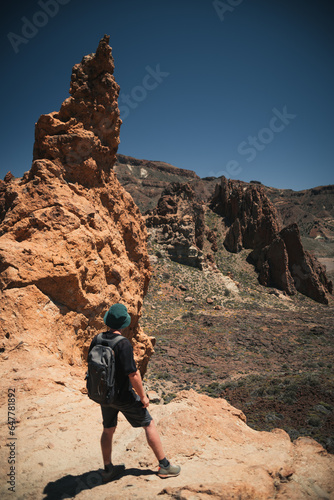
<point>137,384</point>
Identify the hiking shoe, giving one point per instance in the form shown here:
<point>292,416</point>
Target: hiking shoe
<point>114,472</point>
<point>170,471</point>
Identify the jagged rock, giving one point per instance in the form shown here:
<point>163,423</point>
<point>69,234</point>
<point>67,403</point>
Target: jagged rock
<point>8,177</point>
<point>178,224</point>
<point>285,264</point>
<point>72,242</point>
<point>212,238</point>
<point>272,263</point>
<point>278,255</point>
<point>248,212</point>
<point>84,135</point>
<point>308,274</point>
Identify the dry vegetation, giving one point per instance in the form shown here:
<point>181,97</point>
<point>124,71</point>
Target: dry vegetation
<point>268,354</point>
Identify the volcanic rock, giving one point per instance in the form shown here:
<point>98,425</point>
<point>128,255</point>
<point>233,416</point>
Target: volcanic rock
<point>308,274</point>
<point>251,217</point>
<point>72,241</point>
<point>221,457</point>
<point>285,264</point>
<point>278,255</point>
<point>178,224</point>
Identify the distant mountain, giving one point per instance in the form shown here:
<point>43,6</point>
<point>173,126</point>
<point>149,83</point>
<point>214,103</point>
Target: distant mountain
<point>312,209</point>
<point>145,180</point>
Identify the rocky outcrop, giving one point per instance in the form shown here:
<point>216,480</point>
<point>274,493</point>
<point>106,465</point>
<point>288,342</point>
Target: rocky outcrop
<point>251,217</point>
<point>72,240</point>
<point>278,255</point>
<point>285,263</point>
<point>178,225</point>
<point>221,457</point>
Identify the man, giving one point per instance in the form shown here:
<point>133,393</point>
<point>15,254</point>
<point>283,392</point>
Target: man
<point>133,406</point>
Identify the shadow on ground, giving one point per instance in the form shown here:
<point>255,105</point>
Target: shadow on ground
<point>69,486</point>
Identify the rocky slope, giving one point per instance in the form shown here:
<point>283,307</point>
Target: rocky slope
<point>72,240</point>
<point>251,221</point>
<point>58,449</point>
<point>312,209</point>
<point>146,180</point>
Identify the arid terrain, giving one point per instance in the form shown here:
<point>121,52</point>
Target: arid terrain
<point>266,353</point>
<point>232,318</point>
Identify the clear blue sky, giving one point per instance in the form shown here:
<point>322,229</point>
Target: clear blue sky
<point>242,88</point>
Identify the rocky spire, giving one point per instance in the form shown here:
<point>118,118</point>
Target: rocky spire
<point>278,255</point>
<point>72,241</point>
<point>83,137</point>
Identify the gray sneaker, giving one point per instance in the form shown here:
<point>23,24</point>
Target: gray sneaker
<point>170,471</point>
<point>114,472</point>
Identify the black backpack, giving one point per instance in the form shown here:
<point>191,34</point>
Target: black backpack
<point>100,375</point>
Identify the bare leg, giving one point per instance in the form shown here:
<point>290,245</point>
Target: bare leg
<point>153,440</point>
<point>106,444</point>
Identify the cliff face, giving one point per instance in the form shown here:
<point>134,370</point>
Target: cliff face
<point>178,224</point>
<point>72,240</point>
<point>251,217</point>
<point>278,255</point>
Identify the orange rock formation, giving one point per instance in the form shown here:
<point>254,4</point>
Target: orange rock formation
<point>72,240</point>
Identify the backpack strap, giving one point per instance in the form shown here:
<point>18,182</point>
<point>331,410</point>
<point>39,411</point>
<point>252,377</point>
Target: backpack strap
<point>111,342</point>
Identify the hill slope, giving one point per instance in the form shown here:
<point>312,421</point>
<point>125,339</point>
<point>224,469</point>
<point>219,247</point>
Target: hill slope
<point>312,209</point>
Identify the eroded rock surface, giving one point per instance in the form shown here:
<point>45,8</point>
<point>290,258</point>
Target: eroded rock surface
<point>72,240</point>
<point>248,212</point>
<point>178,224</point>
<point>220,455</point>
<point>286,264</point>
<point>278,254</point>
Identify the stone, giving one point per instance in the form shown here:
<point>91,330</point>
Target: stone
<point>278,254</point>
<point>178,224</point>
<point>153,396</point>
<point>250,216</point>
<point>205,431</point>
<point>189,299</point>
<point>286,265</point>
<point>72,242</point>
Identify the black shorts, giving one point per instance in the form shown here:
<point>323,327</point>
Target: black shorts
<point>133,410</point>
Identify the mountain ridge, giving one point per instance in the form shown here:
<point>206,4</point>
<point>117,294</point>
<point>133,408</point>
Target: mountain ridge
<point>285,200</point>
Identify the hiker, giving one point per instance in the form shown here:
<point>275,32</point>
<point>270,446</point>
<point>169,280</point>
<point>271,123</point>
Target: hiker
<point>132,405</point>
